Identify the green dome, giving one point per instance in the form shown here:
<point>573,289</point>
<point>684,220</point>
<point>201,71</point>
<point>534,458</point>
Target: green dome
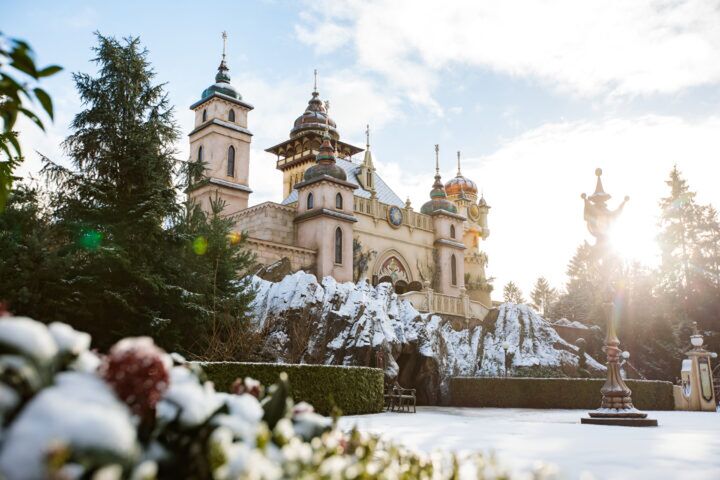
<point>222,84</point>
<point>325,163</point>
<point>438,204</point>
<point>320,169</point>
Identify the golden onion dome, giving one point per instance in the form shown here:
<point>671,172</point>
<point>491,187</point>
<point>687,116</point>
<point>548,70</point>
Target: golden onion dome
<point>459,185</point>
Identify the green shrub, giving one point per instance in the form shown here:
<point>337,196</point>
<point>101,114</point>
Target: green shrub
<point>552,393</point>
<point>354,390</point>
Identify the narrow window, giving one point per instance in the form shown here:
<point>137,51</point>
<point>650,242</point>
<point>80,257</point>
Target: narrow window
<point>204,115</point>
<point>453,270</point>
<point>231,161</point>
<point>231,115</point>
<point>338,245</point>
<point>338,201</point>
<point>369,179</point>
<point>200,152</point>
<point>310,201</point>
<point>452,231</point>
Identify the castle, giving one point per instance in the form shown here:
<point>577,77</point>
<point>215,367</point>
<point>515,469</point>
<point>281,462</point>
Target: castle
<point>337,216</point>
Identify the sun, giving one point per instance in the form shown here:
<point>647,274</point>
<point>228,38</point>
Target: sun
<point>634,240</point>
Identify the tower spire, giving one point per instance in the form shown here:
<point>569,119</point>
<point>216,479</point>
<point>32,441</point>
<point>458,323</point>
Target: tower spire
<point>458,155</point>
<point>222,75</point>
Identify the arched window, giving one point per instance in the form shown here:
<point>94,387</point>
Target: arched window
<point>452,231</point>
<point>338,245</point>
<point>369,179</point>
<point>453,270</point>
<point>310,201</point>
<point>231,162</point>
<point>200,152</point>
<point>204,115</point>
<point>231,115</point>
<point>338,201</point>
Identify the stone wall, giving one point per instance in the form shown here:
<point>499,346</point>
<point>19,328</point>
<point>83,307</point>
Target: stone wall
<point>270,252</point>
<point>268,221</point>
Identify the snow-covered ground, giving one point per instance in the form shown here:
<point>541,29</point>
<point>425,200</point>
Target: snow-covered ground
<point>685,446</point>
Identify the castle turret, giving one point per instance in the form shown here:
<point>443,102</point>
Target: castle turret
<point>367,168</point>
<point>448,228</point>
<point>298,153</point>
<point>221,142</point>
<point>325,214</point>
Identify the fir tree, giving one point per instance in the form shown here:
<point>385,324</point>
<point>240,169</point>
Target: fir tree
<point>543,295</point>
<point>512,293</point>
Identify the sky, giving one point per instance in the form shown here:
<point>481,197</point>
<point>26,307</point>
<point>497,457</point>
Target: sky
<point>536,96</point>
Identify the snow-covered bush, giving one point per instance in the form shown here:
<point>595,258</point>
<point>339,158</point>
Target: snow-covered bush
<point>139,413</point>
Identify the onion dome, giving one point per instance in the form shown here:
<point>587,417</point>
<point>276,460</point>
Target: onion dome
<point>222,84</point>
<point>438,197</point>
<point>315,117</point>
<point>325,163</point>
<point>460,185</point>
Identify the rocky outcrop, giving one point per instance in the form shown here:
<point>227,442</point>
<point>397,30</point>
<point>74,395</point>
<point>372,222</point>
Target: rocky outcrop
<point>303,321</point>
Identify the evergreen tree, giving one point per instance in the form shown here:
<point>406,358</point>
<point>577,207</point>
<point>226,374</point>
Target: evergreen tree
<point>512,293</point>
<point>135,259</point>
<point>582,300</point>
<point>543,295</point>
<point>688,278</point>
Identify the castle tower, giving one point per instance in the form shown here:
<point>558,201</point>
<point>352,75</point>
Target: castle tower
<point>463,192</point>
<point>299,152</point>
<point>325,216</point>
<point>449,248</point>
<point>221,141</point>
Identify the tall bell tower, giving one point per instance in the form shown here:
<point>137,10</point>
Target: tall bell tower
<point>221,141</point>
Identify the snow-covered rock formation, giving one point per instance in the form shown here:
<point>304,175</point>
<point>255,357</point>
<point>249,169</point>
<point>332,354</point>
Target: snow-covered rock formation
<point>303,321</point>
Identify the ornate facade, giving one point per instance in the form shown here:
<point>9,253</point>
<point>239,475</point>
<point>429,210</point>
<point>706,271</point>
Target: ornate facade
<point>337,216</point>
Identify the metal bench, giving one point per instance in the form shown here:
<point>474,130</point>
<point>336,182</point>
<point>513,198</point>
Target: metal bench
<point>399,399</point>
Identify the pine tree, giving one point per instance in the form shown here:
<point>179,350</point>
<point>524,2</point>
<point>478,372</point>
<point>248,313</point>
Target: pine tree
<point>140,262</point>
<point>512,293</point>
<point>543,295</point>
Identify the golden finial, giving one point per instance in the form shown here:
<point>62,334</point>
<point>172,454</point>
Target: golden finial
<point>224,38</point>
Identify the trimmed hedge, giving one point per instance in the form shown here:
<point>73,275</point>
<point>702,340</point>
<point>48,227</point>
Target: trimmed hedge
<point>552,393</point>
<point>355,390</point>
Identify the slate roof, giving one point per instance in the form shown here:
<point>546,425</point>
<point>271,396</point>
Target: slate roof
<point>382,190</point>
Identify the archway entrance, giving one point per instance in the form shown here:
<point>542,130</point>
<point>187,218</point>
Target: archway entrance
<point>392,268</point>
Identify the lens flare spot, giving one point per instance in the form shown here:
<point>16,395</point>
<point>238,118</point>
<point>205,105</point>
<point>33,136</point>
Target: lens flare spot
<point>234,238</point>
<point>90,239</point>
<point>200,245</point>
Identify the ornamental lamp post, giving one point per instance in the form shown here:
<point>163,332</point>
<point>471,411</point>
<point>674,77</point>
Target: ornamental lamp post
<point>616,407</point>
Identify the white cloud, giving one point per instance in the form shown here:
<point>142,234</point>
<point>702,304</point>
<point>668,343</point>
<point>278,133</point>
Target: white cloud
<point>587,48</point>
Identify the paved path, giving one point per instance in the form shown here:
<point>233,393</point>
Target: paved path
<point>685,446</point>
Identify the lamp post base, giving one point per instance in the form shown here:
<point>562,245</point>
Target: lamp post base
<point>620,421</point>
